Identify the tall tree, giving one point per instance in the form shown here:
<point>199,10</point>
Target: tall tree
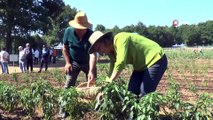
<point>22,18</point>
<point>115,30</point>
<point>58,25</point>
<point>141,29</point>
<point>129,28</point>
<point>8,19</point>
<point>100,28</point>
<point>206,30</point>
<point>62,20</point>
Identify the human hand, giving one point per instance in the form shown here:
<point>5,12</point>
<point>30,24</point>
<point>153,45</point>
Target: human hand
<point>68,68</point>
<point>91,78</point>
<point>108,80</point>
<point>90,82</point>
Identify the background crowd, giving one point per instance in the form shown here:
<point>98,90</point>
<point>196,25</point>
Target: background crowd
<point>29,57</point>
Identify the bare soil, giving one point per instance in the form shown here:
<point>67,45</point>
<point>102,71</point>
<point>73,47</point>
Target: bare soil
<point>202,83</point>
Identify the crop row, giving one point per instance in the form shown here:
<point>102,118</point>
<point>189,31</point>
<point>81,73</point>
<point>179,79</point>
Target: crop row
<point>116,102</point>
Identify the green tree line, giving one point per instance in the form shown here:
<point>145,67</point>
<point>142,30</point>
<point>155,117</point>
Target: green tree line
<point>191,35</point>
<point>44,21</point>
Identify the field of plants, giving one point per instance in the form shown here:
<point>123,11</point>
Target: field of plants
<point>184,93</point>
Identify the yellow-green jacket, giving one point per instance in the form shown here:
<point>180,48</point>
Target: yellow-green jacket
<point>134,49</point>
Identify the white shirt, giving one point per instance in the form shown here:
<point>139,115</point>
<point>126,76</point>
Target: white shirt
<point>51,52</point>
<point>4,56</point>
<point>36,53</point>
<point>22,55</point>
<point>27,50</point>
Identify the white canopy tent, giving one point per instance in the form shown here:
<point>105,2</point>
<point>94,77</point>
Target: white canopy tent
<point>59,46</point>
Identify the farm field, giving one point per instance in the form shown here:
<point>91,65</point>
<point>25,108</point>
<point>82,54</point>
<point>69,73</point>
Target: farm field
<point>189,75</point>
<point>194,73</point>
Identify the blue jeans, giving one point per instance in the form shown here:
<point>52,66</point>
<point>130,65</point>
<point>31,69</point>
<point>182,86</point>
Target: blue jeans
<point>149,78</point>
<point>22,65</point>
<point>1,66</point>
<point>4,67</point>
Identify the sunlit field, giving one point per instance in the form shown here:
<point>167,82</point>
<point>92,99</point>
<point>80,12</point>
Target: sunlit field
<point>184,92</point>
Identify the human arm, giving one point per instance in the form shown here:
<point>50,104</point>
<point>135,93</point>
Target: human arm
<point>65,51</point>
<point>115,75</point>
<point>111,66</point>
<point>68,65</point>
<point>92,68</point>
<point>6,56</point>
<point>121,49</point>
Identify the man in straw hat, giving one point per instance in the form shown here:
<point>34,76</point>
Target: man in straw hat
<point>146,57</point>
<point>75,50</point>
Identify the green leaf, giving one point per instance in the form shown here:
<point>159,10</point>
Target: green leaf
<point>197,116</point>
<point>131,114</point>
<point>124,107</point>
<point>177,106</point>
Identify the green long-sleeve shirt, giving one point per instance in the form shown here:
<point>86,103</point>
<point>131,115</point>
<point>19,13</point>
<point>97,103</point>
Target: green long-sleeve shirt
<point>134,49</point>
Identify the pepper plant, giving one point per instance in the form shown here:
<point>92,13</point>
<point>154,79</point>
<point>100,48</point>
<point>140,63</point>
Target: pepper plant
<point>116,101</point>
<point>9,96</point>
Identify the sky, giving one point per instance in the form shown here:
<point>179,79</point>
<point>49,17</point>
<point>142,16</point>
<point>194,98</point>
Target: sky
<point>150,12</point>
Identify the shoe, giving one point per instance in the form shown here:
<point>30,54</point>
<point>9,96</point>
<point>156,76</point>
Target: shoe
<point>39,71</point>
<point>62,114</point>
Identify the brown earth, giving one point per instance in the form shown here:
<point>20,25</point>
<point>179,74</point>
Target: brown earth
<point>202,85</point>
<point>15,68</point>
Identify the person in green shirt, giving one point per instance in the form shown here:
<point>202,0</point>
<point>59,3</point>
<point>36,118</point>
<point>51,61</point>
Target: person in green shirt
<point>146,56</point>
<point>75,50</point>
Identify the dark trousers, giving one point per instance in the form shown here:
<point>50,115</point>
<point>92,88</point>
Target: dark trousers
<point>42,63</point>
<point>73,75</point>
<point>50,58</point>
<point>30,64</point>
<point>36,61</point>
<point>149,78</point>
<point>54,59</point>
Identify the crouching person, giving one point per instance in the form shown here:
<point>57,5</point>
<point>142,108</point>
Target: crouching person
<point>146,57</point>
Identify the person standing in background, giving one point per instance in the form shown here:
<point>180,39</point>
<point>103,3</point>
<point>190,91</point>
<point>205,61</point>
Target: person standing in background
<point>36,56</point>
<point>50,55</point>
<point>54,56</point>
<point>29,57</point>
<point>4,55</point>
<point>44,58</point>
<point>22,59</point>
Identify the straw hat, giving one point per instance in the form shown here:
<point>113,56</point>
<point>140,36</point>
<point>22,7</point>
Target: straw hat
<point>96,37</point>
<point>80,21</point>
